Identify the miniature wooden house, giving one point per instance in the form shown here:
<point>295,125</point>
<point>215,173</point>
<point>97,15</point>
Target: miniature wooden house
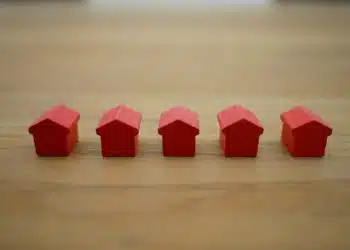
<point>304,134</point>
<point>240,131</point>
<point>179,127</point>
<point>55,133</point>
<point>119,129</point>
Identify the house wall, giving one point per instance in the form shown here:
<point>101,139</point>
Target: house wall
<point>184,145</point>
<point>310,145</point>
<point>287,138</point>
<point>48,145</point>
<point>115,145</point>
<point>241,145</point>
<point>222,141</point>
<point>73,137</point>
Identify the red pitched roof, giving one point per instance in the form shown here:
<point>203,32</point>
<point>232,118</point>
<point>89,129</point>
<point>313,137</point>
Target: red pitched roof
<point>60,115</point>
<point>123,114</point>
<point>179,113</point>
<point>235,114</point>
<point>299,117</point>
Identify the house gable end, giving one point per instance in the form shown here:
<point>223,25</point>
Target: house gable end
<point>313,128</point>
<point>243,126</point>
<point>178,126</point>
<point>47,126</point>
<point>117,127</point>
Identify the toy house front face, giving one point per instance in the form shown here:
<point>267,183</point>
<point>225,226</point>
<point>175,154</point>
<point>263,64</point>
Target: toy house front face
<point>51,139</point>
<point>310,141</point>
<point>179,139</point>
<point>117,139</point>
<point>240,141</point>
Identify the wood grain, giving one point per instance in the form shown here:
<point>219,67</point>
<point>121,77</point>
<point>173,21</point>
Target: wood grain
<point>267,59</point>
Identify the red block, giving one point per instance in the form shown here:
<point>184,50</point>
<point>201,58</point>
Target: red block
<point>304,134</point>
<point>240,131</point>
<point>179,127</point>
<point>55,133</point>
<point>119,129</point>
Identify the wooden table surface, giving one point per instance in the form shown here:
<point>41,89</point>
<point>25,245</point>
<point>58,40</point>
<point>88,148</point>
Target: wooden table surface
<point>267,59</point>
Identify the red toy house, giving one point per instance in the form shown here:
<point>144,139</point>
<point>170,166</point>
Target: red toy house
<point>304,134</point>
<point>240,131</point>
<point>55,133</point>
<point>179,127</point>
<point>119,129</point>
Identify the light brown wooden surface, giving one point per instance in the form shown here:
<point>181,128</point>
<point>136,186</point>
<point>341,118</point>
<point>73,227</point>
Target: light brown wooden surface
<point>267,60</point>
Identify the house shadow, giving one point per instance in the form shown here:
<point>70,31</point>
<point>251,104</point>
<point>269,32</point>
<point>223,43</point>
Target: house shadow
<point>87,148</point>
<point>149,146</point>
<point>91,148</point>
<point>208,147</point>
<point>212,147</point>
<point>275,150</point>
<point>205,148</point>
<point>151,150</point>
<point>42,158</point>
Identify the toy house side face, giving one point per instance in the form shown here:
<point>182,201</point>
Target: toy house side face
<point>73,137</point>
<point>287,138</point>
<point>222,139</point>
